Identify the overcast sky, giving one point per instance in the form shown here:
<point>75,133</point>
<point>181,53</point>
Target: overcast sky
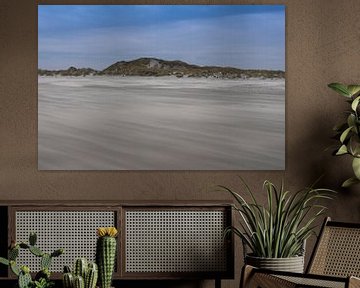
<point>96,36</point>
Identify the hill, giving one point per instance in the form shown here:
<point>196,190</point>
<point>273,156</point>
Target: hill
<point>159,67</point>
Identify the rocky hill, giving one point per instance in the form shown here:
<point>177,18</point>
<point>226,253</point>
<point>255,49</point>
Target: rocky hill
<point>159,67</point>
<point>72,71</point>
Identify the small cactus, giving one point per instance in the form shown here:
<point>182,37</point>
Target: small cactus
<point>89,272</point>
<point>79,282</point>
<point>68,280</point>
<point>106,254</point>
<point>91,276</point>
<point>80,267</point>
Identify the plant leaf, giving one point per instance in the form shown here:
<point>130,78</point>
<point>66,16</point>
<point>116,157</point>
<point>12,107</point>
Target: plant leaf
<point>345,134</point>
<point>342,150</point>
<point>351,121</point>
<point>355,103</point>
<point>356,167</point>
<point>4,261</point>
<point>340,88</point>
<point>349,182</point>
<point>353,89</point>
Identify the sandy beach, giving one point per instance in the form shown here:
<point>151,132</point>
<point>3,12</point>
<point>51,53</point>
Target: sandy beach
<point>160,123</point>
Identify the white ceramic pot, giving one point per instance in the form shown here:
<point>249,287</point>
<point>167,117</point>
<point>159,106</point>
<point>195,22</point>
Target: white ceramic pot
<point>291,264</point>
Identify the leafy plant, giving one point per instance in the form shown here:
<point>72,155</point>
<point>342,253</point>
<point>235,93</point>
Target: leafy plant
<point>279,229</point>
<point>348,132</point>
<point>42,278</point>
<point>43,283</point>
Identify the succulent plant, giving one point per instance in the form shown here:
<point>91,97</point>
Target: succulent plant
<point>85,275</point>
<point>106,254</point>
<point>42,278</point>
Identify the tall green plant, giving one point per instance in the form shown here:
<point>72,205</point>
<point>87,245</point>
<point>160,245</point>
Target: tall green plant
<point>279,229</point>
<point>348,132</point>
<point>106,254</point>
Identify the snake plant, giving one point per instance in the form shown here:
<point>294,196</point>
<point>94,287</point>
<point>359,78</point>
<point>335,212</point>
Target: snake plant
<point>279,228</point>
<point>348,132</point>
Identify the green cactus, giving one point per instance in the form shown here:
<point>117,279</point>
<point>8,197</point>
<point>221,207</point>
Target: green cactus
<point>14,268</point>
<point>36,251</point>
<point>24,280</point>
<point>87,272</point>
<point>57,252</point>
<point>68,280</point>
<point>105,255</point>
<point>13,253</point>
<point>91,276</point>
<point>32,238</point>
<point>44,273</point>
<point>42,278</point>
<point>45,261</point>
<point>24,245</point>
<point>80,267</point>
<point>79,282</point>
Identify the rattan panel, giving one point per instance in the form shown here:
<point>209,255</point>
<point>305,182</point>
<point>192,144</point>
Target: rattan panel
<point>175,241</point>
<point>338,253</point>
<point>75,231</point>
<point>313,282</point>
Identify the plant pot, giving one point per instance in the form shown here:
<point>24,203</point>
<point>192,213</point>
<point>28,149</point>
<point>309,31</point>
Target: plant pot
<point>291,264</point>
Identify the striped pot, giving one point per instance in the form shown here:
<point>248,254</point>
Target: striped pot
<point>291,264</point>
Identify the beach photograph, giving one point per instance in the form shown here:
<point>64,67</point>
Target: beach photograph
<point>161,87</point>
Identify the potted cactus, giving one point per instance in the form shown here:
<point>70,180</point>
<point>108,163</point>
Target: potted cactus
<point>84,275</point>
<point>42,278</point>
<point>106,254</point>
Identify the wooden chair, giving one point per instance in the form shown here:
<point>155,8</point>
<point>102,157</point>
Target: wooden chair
<point>335,262</point>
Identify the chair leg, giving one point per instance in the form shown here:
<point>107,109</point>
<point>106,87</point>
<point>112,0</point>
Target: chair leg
<point>246,274</point>
<point>217,282</point>
<point>251,279</point>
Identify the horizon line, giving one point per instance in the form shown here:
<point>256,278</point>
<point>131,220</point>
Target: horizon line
<point>161,59</point>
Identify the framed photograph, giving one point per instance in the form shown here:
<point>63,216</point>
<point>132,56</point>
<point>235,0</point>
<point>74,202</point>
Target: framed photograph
<point>161,87</point>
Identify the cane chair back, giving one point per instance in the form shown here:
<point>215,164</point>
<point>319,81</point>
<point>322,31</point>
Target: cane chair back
<point>335,262</point>
<point>337,252</point>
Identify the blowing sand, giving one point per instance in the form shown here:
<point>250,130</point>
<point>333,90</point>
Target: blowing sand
<point>164,123</point>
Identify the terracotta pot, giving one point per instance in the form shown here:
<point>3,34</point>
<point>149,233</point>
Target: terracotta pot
<point>291,264</point>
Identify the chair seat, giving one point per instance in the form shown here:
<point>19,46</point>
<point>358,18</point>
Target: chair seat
<point>268,279</point>
<point>315,282</point>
